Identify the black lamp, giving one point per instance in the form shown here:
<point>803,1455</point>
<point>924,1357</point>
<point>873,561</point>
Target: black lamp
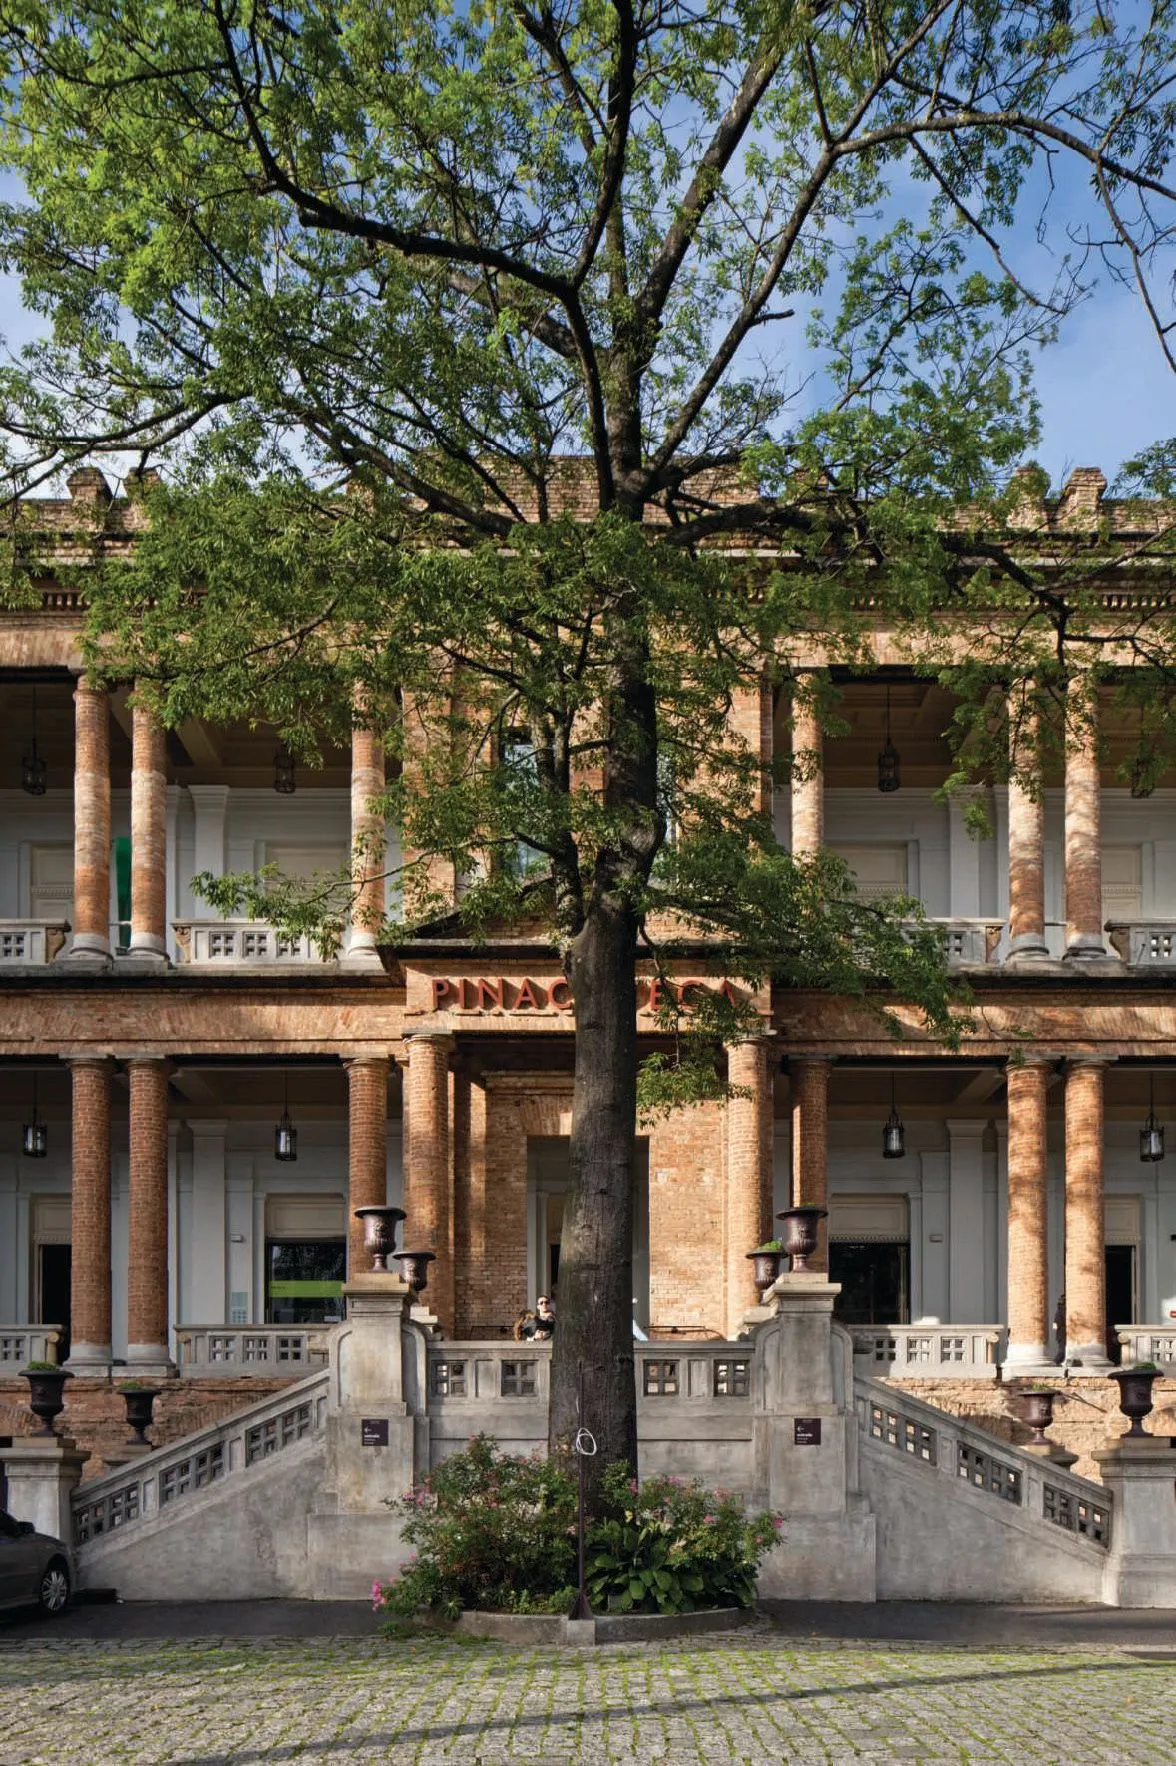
<point>1151,1135</point>
<point>32,767</point>
<point>893,1132</point>
<point>888,776</point>
<point>285,1134</point>
<point>284,781</point>
<point>34,1134</point>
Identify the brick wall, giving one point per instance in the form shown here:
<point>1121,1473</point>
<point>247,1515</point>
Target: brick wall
<point>687,1249</point>
<point>95,1413</point>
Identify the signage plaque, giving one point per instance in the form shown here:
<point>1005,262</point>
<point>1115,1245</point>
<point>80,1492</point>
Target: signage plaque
<point>806,1431</point>
<point>373,1431</point>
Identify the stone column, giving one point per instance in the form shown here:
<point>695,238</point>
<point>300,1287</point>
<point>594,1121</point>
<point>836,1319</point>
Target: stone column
<point>367,1150</point>
<point>148,838</point>
<point>810,1142</point>
<point>367,850</point>
<point>965,1304</point>
<point>749,1171</point>
<point>1028,1218</point>
<point>90,1228</point>
<point>147,1218</point>
<point>1086,1282</point>
<point>91,908</point>
<point>1084,915</point>
<point>1026,856</point>
<point>427,1189</point>
<point>808,781</point>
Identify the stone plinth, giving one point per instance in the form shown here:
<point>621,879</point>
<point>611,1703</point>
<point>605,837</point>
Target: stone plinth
<point>43,1472</point>
<point>1140,1473</point>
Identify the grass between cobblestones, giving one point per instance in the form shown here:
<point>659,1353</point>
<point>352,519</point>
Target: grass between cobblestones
<point>747,1700</point>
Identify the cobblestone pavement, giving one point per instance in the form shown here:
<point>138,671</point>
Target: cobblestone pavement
<point>750,1699</point>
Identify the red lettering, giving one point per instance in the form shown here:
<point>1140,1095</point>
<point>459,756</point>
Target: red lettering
<point>657,994</point>
<point>694,985</point>
<point>441,990</point>
<point>469,1000</point>
<point>527,1000</point>
<point>728,993</point>
<point>559,996</point>
<point>489,994</point>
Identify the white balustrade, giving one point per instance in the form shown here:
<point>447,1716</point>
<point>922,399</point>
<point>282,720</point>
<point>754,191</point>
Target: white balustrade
<point>224,1350</point>
<point>1144,944</point>
<point>927,1351</point>
<point>1147,1342</point>
<point>31,942</point>
<point>212,944</point>
<point>20,1344</point>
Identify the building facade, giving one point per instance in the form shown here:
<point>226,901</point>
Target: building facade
<point>154,1059</point>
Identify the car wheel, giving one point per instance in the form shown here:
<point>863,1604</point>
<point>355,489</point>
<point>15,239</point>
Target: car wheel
<point>53,1591</point>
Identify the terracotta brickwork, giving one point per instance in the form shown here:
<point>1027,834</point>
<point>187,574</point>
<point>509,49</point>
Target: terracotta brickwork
<point>688,1221</point>
<point>367,838</point>
<point>428,1184</point>
<point>148,834</point>
<point>91,908</point>
<point>1086,1284</point>
<point>808,784</point>
<point>1026,852</point>
<point>1084,934</point>
<point>147,1280</point>
<point>1028,1298</point>
<point>90,1231</point>
<point>367,1150</point>
<point>748,1121</point>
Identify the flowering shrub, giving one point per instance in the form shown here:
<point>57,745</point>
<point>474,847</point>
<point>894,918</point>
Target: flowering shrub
<point>491,1532</point>
<point>672,1547</point>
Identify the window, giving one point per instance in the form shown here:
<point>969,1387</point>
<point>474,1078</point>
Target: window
<point>877,870</point>
<point>305,1260</point>
<point>1122,882</point>
<point>869,1254</point>
<point>51,882</point>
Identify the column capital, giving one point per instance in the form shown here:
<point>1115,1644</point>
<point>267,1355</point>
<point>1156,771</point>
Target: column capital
<point>1033,1058</point>
<point>811,1061</point>
<point>146,1058</point>
<point>1075,1063</point>
<point>368,1058</point>
<point>209,1127</point>
<point>101,1061</point>
<point>441,1038</point>
<point>966,1127</point>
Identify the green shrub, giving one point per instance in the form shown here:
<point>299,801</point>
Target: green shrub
<point>671,1547</point>
<point>491,1532</point>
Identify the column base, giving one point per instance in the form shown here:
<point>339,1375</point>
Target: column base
<point>1028,947</point>
<point>1087,1361</point>
<point>149,1358</point>
<point>90,1361</point>
<point>145,956</point>
<point>1086,948</point>
<point>362,957</point>
<point>1029,1361</point>
<point>86,952</point>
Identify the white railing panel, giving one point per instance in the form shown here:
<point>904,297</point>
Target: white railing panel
<point>31,942</point>
<point>1145,944</point>
<point>20,1344</point>
<point>1147,1342</point>
<point>260,1350</point>
<point>162,1479</point>
<point>227,944</point>
<point>927,1351</point>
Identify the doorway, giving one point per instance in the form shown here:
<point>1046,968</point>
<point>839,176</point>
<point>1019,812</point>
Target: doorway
<point>1120,1268</point>
<point>875,1281</point>
<point>548,1183</point>
<point>54,1291</point>
<point>304,1281</point>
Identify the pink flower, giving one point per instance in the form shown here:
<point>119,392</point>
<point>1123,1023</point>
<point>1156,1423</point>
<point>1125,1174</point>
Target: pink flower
<point>632,1486</point>
<point>708,1520</point>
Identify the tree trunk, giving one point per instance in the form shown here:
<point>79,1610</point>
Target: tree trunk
<point>595,1306</point>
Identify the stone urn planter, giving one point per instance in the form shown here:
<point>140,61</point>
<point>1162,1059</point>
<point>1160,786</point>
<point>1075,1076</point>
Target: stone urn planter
<point>1135,1393</point>
<point>414,1267</point>
<point>46,1392</point>
<point>801,1227</point>
<point>1037,1408</point>
<point>140,1403</point>
<point>379,1233</point>
<point>765,1263</point>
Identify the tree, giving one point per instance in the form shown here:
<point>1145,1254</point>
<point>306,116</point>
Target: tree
<point>427,253</point>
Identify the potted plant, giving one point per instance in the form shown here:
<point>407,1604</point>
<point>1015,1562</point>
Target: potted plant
<point>139,1397</point>
<point>1037,1408</point>
<point>800,1234</point>
<point>766,1260</point>
<point>1135,1392</point>
<point>46,1392</point>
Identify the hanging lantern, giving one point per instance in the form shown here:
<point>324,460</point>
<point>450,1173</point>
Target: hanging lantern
<point>893,1131</point>
<point>888,762</point>
<point>284,781</point>
<point>35,1134</point>
<point>285,1134</point>
<point>32,767</point>
<point>1151,1135</point>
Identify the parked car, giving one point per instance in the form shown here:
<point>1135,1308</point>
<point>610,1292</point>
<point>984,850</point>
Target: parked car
<point>34,1568</point>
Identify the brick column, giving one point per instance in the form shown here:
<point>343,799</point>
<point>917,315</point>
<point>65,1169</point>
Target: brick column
<point>427,1186</point>
<point>1028,1222</point>
<point>1026,855</point>
<point>810,1142</point>
<point>1086,1283</point>
<point>367,850</point>
<point>749,1171</point>
<point>367,1150</point>
<point>148,837</point>
<point>1084,915</point>
<point>808,781</point>
<point>90,1229</point>
<point>147,1272</point>
<point>91,908</point>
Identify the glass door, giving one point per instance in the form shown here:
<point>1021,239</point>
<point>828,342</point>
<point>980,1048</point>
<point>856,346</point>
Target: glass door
<point>304,1281</point>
